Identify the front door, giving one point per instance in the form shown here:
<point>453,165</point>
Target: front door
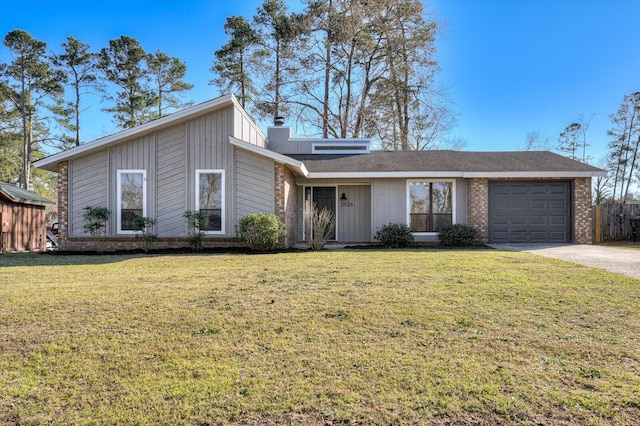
<point>324,197</point>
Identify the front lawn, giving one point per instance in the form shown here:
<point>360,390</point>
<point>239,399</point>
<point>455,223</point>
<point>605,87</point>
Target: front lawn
<point>331,337</point>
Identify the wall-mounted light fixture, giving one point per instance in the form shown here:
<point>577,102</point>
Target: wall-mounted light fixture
<point>344,196</point>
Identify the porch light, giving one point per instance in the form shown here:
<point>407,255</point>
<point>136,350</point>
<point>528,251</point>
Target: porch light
<point>344,196</point>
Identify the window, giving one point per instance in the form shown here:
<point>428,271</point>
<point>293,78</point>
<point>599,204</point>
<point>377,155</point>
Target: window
<point>210,200</point>
<point>132,199</point>
<point>341,148</point>
<point>430,205</point>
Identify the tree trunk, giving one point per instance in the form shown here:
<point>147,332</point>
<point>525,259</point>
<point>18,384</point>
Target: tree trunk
<point>243,94</point>
<point>26,135</point>
<point>327,75</point>
<point>276,103</point>
<point>77,111</point>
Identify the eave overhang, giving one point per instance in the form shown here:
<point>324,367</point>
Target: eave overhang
<point>463,175</point>
<point>296,166</point>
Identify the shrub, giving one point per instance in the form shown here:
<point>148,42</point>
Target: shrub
<point>95,222</point>
<point>194,224</point>
<point>319,227</point>
<point>459,235</point>
<point>395,235</point>
<point>261,231</point>
<point>145,227</point>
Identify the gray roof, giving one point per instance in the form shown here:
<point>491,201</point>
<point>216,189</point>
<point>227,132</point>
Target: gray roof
<point>462,163</point>
<point>19,195</point>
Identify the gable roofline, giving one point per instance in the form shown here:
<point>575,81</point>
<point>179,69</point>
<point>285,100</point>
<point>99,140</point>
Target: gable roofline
<point>297,166</point>
<point>22,196</point>
<point>51,162</point>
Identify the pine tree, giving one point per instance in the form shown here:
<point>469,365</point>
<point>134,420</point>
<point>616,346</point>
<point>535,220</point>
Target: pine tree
<point>124,64</point>
<point>33,88</point>
<point>10,137</point>
<point>167,74</point>
<point>277,31</point>
<point>569,140</point>
<point>234,60</point>
<point>80,66</point>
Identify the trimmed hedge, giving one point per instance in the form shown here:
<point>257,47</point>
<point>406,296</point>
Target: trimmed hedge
<point>261,231</point>
<point>459,235</point>
<point>395,235</point>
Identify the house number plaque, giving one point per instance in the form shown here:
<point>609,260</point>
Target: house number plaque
<point>346,204</point>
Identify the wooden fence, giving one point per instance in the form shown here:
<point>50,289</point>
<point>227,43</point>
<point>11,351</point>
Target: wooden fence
<point>611,221</point>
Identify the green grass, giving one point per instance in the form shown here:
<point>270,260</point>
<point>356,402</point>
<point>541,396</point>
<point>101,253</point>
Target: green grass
<point>358,337</point>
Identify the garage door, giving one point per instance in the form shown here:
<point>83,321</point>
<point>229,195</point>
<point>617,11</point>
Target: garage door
<point>529,212</point>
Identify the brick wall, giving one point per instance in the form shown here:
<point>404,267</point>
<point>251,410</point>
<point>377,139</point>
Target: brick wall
<point>582,220</point>
<point>286,200</point>
<point>478,208</point>
<point>63,204</point>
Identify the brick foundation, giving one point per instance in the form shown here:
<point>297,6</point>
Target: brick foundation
<point>108,244</point>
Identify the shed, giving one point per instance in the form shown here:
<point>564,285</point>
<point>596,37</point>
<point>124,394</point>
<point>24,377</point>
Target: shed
<point>22,219</point>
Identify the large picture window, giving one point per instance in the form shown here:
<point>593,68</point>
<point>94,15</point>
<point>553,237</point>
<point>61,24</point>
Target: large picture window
<point>210,200</point>
<point>132,199</point>
<point>430,205</point>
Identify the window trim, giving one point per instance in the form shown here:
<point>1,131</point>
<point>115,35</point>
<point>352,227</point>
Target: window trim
<point>223,212</point>
<point>453,201</point>
<point>120,172</point>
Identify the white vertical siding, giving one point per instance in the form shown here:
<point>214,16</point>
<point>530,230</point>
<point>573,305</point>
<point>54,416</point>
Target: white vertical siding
<point>254,190</point>
<point>208,147</point>
<point>137,154</point>
<point>88,187</point>
<point>461,201</point>
<point>354,213</point>
<point>388,202</point>
<point>172,181</point>
<point>245,129</point>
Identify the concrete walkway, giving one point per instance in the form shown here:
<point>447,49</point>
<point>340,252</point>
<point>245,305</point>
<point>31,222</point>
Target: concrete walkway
<point>613,259</point>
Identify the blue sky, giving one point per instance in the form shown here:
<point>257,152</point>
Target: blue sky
<point>510,67</point>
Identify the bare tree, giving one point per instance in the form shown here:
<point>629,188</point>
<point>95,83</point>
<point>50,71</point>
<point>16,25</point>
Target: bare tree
<point>625,145</point>
<point>536,141</point>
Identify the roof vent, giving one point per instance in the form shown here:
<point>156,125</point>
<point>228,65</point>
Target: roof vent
<point>278,121</point>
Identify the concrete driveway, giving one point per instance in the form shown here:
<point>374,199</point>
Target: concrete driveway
<point>619,260</point>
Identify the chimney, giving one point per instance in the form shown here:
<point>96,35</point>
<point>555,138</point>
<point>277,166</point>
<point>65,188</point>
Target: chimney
<point>278,137</point>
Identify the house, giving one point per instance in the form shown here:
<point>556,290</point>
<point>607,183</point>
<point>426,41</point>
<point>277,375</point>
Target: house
<point>214,159</point>
<point>23,223</point>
